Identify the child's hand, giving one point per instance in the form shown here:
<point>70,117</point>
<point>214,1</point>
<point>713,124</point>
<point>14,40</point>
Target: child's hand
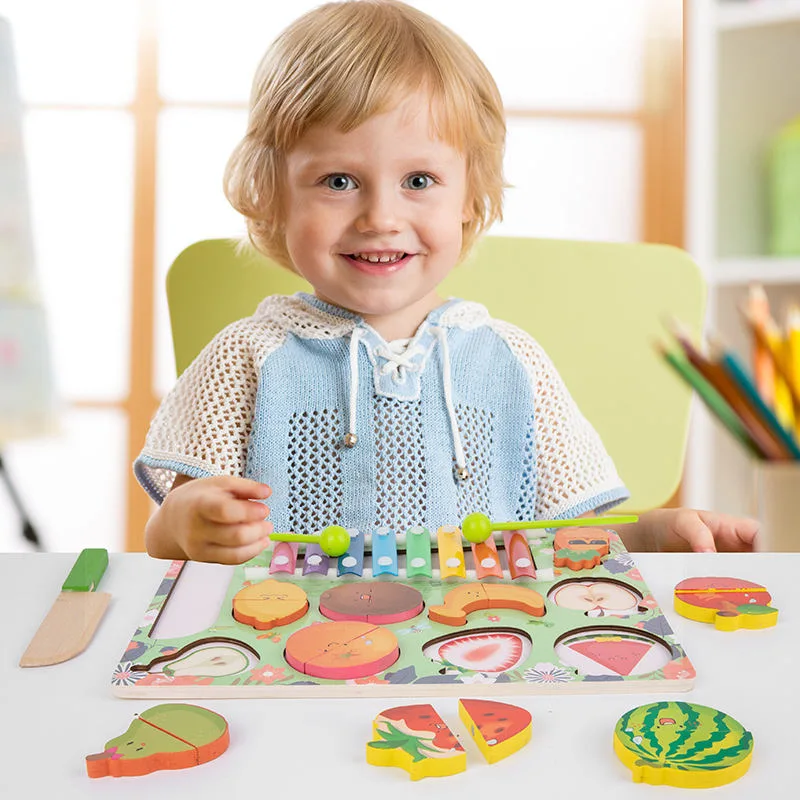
<point>211,519</point>
<point>672,529</point>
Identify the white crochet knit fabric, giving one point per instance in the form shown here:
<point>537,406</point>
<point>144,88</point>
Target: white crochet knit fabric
<point>205,420</point>
<point>204,427</point>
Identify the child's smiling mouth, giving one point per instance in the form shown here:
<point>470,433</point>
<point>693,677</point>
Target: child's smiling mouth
<point>379,263</point>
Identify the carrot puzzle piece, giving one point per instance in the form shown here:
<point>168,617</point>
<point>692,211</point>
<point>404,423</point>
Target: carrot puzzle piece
<point>342,650</point>
<point>469,597</point>
<point>168,736</point>
<point>269,603</point>
<point>416,739</point>
<point>580,548</point>
<point>682,744</point>
<point>499,729</point>
<point>727,603</point>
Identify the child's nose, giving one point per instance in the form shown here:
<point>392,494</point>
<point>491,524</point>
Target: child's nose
<point>379,213</point>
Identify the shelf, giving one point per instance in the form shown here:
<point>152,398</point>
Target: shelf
<point>741,14</point>
<point>761,269</point>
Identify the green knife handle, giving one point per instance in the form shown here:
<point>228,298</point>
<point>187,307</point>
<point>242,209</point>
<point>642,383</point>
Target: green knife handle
<point>87,570</point>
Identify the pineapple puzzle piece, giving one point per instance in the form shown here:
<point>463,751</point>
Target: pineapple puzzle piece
<point>416,739</point>
<point>580,548</point>
<point>167,736</point>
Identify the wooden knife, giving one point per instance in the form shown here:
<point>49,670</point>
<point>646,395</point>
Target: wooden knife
<point>72,620</point>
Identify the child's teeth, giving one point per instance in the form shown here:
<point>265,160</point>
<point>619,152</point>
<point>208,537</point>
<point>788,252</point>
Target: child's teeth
<point>376,259</point>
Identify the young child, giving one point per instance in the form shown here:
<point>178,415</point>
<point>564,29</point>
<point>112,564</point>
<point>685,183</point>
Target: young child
<point>371,163</point>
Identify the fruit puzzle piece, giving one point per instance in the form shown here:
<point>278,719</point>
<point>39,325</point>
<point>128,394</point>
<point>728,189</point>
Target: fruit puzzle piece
<point>416,739</point>
<point>471,597</point>
<point>499,729</point>
<point>269,603</point>
<point>682,744</point>
<point>492,650</point>
<point>342,650</point>
<point>580,548</point>
<point>167,736</point>
<point>727,603</point>
<point>378,602</point>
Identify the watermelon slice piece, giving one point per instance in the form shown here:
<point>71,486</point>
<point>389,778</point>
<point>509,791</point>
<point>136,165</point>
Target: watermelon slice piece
<point>416,739</point>
<point>619,655</point>
<point>499,729</point>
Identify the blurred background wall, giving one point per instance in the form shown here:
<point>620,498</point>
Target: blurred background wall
<point>130,109</point>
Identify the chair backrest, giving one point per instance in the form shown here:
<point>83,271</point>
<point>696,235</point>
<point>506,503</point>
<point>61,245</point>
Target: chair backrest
<point>596,308</point>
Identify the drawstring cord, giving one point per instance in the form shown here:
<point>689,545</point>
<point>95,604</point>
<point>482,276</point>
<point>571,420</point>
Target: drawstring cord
<point>461,463</point>
<point>400,364</point>
<point>351,438</point>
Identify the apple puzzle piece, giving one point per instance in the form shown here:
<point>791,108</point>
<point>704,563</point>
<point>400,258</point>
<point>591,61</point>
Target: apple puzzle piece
<point>727,603</point>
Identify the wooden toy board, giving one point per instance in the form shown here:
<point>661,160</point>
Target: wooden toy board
<point>600,629</point>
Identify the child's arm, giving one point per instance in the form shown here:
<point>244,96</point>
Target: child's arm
<point>674,529</point>
<point>210,519</point>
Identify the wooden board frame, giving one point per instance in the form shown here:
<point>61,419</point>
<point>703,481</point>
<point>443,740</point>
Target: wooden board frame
<point>604,641</point>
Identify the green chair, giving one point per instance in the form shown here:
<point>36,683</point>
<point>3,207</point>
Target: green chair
<point>596,308</point>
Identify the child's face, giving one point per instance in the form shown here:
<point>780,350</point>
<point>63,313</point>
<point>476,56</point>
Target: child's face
<point>373,217</point>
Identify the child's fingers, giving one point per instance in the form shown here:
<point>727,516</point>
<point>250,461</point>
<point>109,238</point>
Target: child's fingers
<point>240,535</point>
<point>233,544</point>
<point>222,509</point>
<point>696,533</point>
<point>243,488</point>
<point>235,555</point>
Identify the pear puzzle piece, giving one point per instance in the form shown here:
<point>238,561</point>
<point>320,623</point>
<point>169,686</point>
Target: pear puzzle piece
<point>167,736</point>
<point>416,739</point>
<point>726,603</point>
<point>682,744</point>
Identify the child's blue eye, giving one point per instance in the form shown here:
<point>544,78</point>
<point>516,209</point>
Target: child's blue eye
<point>419,180</point>
<point>339,182</point>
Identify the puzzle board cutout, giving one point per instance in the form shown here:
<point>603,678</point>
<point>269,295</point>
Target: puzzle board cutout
<point>597,629</point>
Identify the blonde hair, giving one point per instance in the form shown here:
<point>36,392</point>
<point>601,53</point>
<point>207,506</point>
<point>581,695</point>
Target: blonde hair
<point>343,63</point>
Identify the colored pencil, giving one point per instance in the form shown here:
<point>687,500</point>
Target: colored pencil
<point>769,444</point>
<point>763,364</point>
<point>738,374</point>
<point>793,359</point>
<point>779,363</point>
<point>713,400</point>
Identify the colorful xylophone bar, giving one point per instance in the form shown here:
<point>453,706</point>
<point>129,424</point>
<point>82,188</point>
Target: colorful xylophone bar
<point>384,545</point>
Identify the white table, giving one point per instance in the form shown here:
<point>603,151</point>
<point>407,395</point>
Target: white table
<point>52,717</point>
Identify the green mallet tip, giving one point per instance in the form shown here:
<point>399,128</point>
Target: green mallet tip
<point>334,541</point>
<point>476,528</point>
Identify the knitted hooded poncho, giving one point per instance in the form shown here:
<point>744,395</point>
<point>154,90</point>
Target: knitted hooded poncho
<point>469,415</point>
